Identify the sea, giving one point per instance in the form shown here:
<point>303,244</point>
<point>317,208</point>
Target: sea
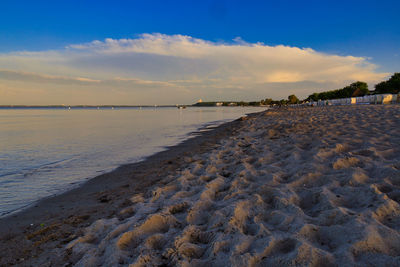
<point>46,151</point>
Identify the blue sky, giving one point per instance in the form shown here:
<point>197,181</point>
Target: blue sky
<point>367,29</point>
<point>360,28</point>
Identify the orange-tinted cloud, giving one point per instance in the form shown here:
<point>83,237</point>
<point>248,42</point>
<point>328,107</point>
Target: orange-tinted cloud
<point>185,67</point>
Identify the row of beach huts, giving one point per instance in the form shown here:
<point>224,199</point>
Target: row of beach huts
<point>367,99</point>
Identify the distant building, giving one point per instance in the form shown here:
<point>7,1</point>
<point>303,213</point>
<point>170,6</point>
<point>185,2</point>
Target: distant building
<point>218,104</point>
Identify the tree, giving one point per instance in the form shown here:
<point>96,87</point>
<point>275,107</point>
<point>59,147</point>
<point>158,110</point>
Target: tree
<point>268,101</point>
<point>352,90</point>
<point>358,89</point>
<point>391,86</point>
<point>293,99</point>
<point>283,102</point>
<point>313,97</point>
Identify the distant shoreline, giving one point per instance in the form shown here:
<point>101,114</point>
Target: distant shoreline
<point>83,106</point>
<point>102,106</point>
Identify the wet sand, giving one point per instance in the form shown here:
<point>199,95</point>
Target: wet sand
<point>316,186</point>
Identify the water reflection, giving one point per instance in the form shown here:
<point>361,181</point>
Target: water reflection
<point>44,151</point>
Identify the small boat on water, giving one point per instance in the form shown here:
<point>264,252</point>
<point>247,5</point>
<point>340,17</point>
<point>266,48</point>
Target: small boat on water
<point>181,107</point>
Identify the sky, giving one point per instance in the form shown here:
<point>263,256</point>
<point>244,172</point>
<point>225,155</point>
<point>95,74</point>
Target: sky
<point>176,52</point>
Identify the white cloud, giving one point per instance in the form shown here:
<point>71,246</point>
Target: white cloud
<point>66,80</point>
<point>44,78</point>
<point>185,68</point>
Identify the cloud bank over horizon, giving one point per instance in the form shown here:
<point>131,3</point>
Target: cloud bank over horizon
<point>172,69</point>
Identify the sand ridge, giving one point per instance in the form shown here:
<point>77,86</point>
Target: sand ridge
<point>300,186</point>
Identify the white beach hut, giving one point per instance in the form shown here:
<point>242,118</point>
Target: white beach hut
<point>343,101</point>
<point>372,99</point>
<point>365,99</point>
<point>378,99</point>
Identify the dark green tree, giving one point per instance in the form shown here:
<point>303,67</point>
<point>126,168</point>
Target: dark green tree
<point>268,101</point>
<point>313,97</point>
<point>293,99</point>
<point>352,90</point>
<point>283,102</point>
<point>391,86</point>
<point>358,89</point>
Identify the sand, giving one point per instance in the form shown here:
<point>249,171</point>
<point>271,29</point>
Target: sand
<point>316,186</point>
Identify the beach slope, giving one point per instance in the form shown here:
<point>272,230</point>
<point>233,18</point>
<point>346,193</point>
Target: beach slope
<point>316,186</point>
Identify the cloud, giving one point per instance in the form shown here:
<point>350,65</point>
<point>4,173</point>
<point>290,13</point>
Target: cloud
<point>188,67</point>
<point>65,80</point>
<point>43,78</point>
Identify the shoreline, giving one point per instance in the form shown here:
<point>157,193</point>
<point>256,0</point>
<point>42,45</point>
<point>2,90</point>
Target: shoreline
<point>206,127</point>
<point>290,186</point>
<point>94,192</point>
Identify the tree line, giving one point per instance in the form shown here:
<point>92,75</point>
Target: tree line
<point>391,86</point>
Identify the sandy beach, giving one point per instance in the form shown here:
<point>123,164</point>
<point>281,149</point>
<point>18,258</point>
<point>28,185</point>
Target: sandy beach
<point>310,186</point>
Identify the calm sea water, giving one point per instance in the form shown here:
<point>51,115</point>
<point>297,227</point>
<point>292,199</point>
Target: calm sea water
<point>47,151</point>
